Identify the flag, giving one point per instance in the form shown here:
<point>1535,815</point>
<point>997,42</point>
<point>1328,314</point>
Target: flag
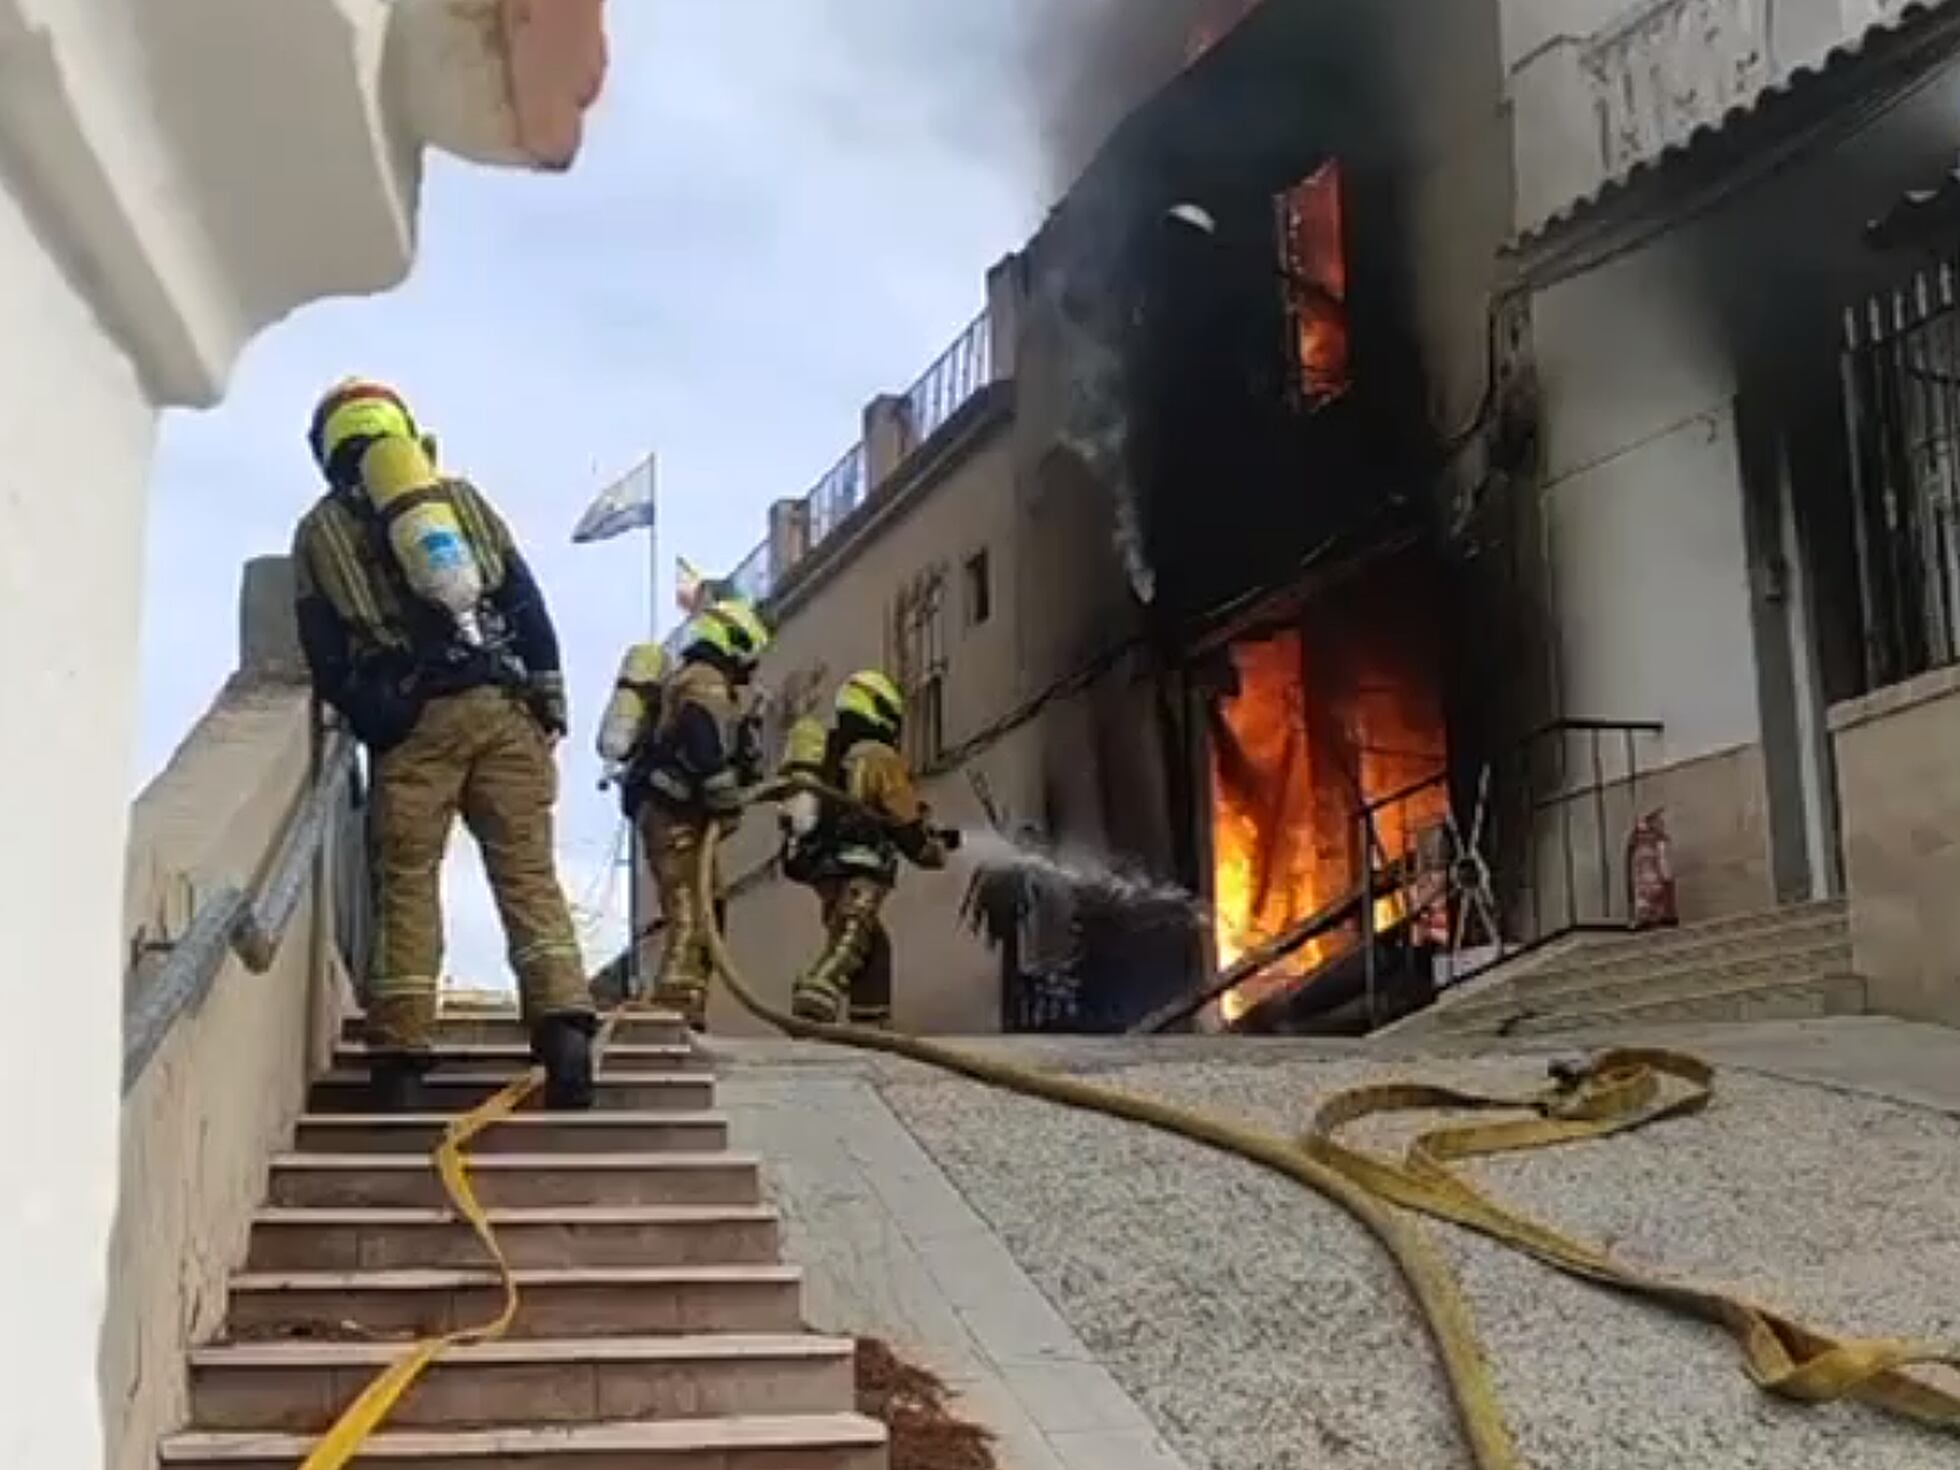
<point>690,587</point>
<point>625,505</point>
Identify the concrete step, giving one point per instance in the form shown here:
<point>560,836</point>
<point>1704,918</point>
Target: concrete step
<point>1690,977</point>
<point>506,1060</point>
<point>1673,953</point>
<point>517,1181</point>
<point>805,1442</point>
<point>655,1028</point>
<point>635,1301</point>
<point>303,1387</point>
<point>635,1092</point>
<point>1607,946</point>
<point>527,1133</point>
<point>609,1236</point>
<point>1614,955</point>
<point>1785,1000</point>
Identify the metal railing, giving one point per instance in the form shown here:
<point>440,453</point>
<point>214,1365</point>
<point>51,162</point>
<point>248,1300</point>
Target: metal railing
<point>234,922</point>
<point>837,494</point>
<point>1902,402</point>
<point>1589,799</point>
<point>1573,815</point>
<point>946,387</point>
<point>958,375</point>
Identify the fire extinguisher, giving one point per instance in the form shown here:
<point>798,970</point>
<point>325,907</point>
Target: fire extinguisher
<point>1650,874</point>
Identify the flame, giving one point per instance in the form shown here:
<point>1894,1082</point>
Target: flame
<point>1313,247</point>
<point>1285,834</point>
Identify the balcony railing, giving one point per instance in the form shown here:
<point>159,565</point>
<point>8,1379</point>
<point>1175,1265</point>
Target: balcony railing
<point>946,387</point>
<point>838,493</point>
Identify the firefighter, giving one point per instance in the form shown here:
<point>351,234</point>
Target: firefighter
<point>460,709</point>
<point>690,774</point>
<point>857,847</point>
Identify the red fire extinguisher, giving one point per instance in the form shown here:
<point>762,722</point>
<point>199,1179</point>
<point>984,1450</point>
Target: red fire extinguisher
<point>1650,874</point>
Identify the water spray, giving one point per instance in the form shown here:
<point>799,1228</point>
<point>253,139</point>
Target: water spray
<point>1083,872</point>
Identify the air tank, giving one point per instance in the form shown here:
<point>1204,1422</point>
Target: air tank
<point>803,754</point>
<point>424,532</point>
<point>632,706</point>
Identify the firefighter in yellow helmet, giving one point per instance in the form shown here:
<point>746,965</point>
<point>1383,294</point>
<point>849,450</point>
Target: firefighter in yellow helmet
<point>424,628</point>
<point>857,847</point>
<point>689,775</point>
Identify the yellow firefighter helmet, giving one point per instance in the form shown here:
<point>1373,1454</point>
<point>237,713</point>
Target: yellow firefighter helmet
<point>733,629</point>
<point>872,697</point>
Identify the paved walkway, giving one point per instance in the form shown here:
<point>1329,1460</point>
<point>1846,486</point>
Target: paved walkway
<point>891,1249</point>
<point>1108,1297</point>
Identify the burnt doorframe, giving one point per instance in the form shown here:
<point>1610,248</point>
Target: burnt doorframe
<point>1793,467</point>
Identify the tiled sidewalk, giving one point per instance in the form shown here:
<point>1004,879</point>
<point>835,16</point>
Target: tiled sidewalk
<point>893,1250</point>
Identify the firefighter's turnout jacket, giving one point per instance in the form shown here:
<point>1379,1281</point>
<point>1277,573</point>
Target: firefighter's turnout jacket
<point>689,773</point>
<point>377,652</point>
<point>854,864</point>
<point>454,729</point>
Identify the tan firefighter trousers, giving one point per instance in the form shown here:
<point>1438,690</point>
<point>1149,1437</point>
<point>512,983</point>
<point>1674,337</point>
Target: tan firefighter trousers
<point>482,756</point>
<point>673,847</point>
<point>852,977</point>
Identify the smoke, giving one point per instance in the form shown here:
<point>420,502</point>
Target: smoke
<point>1088,63</point>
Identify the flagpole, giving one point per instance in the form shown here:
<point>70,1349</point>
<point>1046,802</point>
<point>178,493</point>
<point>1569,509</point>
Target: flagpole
<point>635,858</point>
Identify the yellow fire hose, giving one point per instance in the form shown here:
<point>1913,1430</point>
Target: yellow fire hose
<point>1616,1092</point>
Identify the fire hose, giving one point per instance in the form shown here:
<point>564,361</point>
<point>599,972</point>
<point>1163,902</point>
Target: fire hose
<point>1613,1093</point>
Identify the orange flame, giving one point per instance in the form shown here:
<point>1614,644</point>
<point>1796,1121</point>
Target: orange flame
<point>1313,247</point>
<point>1286,840</point>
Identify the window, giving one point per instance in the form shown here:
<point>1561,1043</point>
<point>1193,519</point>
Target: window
<point>1313,256</point>
<point>1903,378</point>
<point>979,590</point>
<point>917,638</point>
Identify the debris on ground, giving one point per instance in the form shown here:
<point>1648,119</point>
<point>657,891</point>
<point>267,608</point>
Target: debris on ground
<point>916,1408</point>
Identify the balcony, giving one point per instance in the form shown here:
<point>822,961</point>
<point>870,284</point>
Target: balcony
<point>911,421</point>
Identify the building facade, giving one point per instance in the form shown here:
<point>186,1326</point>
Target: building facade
<point>1735,252</point>
<point>1161,577</point>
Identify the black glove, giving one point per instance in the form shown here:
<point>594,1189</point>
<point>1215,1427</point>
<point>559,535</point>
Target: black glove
<point>948,837</point>
<point>546,700</point>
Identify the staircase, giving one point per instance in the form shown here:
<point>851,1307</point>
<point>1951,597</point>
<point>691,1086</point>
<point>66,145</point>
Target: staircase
<point>658,1327</point>
<point>1782,964</point>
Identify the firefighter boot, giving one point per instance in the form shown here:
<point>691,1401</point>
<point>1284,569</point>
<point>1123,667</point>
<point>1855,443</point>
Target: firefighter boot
<point>851,925</point>
<point>563,1047</point>
<point>871,986</point>
<point>395,1084</point>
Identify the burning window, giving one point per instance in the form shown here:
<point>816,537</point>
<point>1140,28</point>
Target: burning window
<point>1215,23</point>
<point>1311,224</point>
<point>1321,723</point>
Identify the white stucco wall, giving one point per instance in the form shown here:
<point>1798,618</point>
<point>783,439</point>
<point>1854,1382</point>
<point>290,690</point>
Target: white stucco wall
<point>1598,85</point>
<point>77,434</point>
<point>1643,508</point>
<point>151,221</point>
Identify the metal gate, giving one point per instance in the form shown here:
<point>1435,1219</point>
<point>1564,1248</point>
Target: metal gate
<point>1902,398</point>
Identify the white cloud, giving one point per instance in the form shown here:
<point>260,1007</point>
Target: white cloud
<point>786,206</point>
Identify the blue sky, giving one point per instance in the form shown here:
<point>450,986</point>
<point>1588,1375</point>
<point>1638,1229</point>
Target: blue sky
<point>784,207</point>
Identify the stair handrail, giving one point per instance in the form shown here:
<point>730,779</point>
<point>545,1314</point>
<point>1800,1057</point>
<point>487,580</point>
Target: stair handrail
<point>233,921</point>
